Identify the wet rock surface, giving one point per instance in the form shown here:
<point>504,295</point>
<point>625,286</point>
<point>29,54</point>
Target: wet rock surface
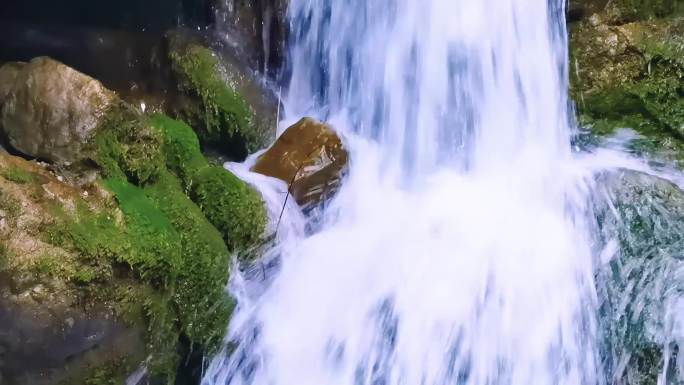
<point>310,157</point>
<point>638,284</point>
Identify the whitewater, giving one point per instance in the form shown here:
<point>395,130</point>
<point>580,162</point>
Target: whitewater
<point>462,246</point>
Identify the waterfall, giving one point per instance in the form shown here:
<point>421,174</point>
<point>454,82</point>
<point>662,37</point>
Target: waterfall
<point>461,248</point>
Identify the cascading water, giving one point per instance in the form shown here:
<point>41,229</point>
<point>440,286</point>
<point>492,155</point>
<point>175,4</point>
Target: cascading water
<point>462,245</point>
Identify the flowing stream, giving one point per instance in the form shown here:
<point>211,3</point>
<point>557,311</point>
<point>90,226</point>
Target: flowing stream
<point>464,245</point>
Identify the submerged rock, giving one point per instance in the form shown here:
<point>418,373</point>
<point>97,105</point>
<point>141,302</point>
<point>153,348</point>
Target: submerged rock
<point>641,224</point>
<point>51,110</point>
<point>310,157</point>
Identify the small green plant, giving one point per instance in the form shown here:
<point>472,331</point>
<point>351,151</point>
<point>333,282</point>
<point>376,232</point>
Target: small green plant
<point>17,175</point>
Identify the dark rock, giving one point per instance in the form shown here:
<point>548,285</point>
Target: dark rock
<point>256,30</point>
<point>310,157</point>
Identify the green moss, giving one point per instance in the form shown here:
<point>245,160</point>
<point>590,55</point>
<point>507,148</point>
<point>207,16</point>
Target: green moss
<point>128,146</point>
<point>153,242</point>
<point>203,307</point>
<point>17,175</point>
<point>231,205</point>
<point>182,148</point>
<point>223,114</point>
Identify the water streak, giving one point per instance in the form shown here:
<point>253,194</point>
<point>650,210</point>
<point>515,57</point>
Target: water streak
<point>462,246</point>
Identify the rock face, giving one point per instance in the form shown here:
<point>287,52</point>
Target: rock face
<point>52,110</point>
<point>310,157</point>
<point>627,69</point>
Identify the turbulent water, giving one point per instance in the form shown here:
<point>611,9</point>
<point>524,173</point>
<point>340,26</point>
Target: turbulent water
<point>466,242</point>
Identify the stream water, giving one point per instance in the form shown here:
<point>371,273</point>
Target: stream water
<point>469,242</point>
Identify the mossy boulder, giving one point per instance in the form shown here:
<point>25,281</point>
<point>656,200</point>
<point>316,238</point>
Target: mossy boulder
<point>61,310</point>
<point>310,157</point>
<point>235,208</point>
<point>51,110</point>
<point>141,251</point>
<point>630,76</point>
<point>221,100</point>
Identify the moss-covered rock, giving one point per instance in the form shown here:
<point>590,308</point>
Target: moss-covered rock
<point>218,99</point>
<point>231,205</point>
<point>59,307</point>
<point>145,250</point>
<point>631,75</point>
<point>127,145</point>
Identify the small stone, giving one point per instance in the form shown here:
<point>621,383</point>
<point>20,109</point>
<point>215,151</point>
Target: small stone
<point>595,20</point>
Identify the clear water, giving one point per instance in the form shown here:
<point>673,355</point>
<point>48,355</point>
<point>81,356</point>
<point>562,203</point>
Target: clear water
<point>463,246</point>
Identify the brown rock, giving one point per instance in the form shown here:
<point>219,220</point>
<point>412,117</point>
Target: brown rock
<point>310,157</point>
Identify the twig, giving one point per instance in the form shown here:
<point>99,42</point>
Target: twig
<point>289,190</point>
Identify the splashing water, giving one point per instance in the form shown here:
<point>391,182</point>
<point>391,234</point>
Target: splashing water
<point>461,248</point>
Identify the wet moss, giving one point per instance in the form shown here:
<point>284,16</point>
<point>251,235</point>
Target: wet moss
<point>182,148</point>
<point>128,146</point>
<point>221,115</point>
<point>202,304</point>
<point>231,205</point>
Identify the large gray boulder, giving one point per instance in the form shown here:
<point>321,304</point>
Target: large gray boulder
<point>51,110</point>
